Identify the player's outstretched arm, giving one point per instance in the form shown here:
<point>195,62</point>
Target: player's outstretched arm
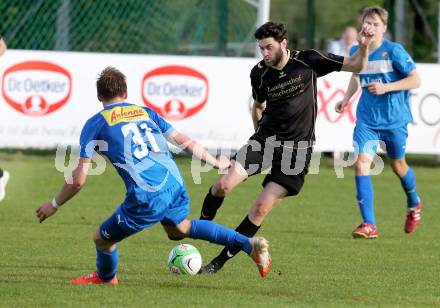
<point>67,191</point>
<point>257,112</point>
<point>358,61</point>
<point>184,142</point>
<point>353,87</point>
<point>412,81</point>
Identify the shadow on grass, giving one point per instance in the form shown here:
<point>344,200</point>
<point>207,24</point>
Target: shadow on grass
<point>20,267</point>
<point>28,152</point>
<point>423,160</point>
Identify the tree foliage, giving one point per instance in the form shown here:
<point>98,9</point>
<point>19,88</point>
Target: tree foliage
<point>331,17</point>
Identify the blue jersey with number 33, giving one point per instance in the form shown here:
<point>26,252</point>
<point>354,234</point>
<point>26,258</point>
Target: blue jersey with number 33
<point>133,139</point>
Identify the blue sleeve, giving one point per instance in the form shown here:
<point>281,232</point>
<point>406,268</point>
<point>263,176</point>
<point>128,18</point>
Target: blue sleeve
<point>353,49</point>
<point>89,135</point>
<point>402,61</point>
<point>164,126</point>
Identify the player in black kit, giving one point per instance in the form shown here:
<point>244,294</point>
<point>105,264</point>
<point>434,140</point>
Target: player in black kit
<point>284,115</point>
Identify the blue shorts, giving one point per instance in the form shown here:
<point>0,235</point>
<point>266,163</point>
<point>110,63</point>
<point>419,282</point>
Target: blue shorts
<point>169,207</point>
<point>367,139</point>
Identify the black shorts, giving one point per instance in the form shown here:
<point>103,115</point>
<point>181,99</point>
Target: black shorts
<point>284,165</point>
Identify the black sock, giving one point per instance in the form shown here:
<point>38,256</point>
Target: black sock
<point>246,228</point>
<point>1,173</point>
<point>210,206</point>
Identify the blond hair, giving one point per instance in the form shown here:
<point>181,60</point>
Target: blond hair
<point>375,10</point>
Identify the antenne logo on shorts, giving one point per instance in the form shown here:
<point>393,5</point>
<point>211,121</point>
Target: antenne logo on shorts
<point>124,114</point>
<point>36,88</point>
<point>175,92</point>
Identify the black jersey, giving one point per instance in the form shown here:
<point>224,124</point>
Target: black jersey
<point>290,94</point>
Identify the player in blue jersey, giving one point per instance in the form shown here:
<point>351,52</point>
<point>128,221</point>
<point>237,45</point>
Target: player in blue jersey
<point>383,114</point>
<point>135,139</point>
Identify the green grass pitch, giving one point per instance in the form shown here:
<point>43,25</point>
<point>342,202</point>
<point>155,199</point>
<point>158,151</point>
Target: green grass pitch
<point>315,261</point>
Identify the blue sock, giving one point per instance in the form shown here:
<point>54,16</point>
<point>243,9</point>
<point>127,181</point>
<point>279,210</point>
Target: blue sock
<point>409,186</point>
<point>218,234</point>
<point>365,196</point>
<point>106,263</point>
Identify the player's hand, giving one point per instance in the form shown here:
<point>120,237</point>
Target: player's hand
<point>45,211</point>
<point>377,88</point>
<point>366,35</point>
<point>223,162</point>
<point>340,106</point>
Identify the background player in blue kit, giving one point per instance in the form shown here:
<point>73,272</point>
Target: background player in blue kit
<point>135,139</point>
<point>383,113</point>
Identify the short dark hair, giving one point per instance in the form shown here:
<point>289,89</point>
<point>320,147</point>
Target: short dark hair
<point>110,84</point>
<point>273,29</point>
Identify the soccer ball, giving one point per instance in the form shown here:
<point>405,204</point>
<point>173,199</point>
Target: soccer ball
<point>184,259</point>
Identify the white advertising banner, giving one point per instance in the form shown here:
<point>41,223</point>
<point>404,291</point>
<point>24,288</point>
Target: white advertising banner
<point>334,131</point>
<point>46,97</point>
